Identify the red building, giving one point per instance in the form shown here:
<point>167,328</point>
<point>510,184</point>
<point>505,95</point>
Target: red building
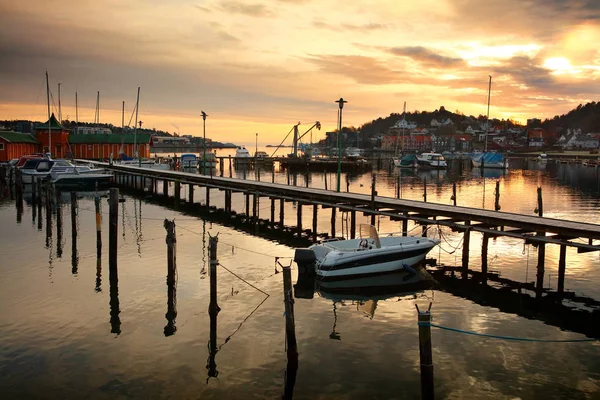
<point>101,146</point>
<point>60,137</point>
<point>15,145</point>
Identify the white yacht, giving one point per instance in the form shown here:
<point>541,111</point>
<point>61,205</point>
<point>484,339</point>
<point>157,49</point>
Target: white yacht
<point>431,160</point>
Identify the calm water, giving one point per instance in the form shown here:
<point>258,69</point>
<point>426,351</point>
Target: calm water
<point>68,333</point>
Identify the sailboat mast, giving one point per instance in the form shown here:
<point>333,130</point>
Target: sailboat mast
<point>404,118</point>
<point>59,107</point>
<point>123,118</point>
<point>97,110</point>
<point>137,103</point>
<point>49,126</point>
<point>487,125</point>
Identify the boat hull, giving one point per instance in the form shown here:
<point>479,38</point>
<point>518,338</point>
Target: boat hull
<point>338,265</point>
<point>83,182</point>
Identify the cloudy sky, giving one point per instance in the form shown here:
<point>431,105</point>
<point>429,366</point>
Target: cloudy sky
<point>262,66</point>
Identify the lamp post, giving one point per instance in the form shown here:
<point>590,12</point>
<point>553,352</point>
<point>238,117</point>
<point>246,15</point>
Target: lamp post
<point>340,102</point>
<point>204,115</point>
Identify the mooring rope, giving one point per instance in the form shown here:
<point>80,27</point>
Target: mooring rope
<point>502,337</point>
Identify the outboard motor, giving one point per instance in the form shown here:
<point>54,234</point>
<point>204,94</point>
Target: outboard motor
<point>305,259</point>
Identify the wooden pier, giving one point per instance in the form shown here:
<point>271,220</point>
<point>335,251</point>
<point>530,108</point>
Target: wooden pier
<point>536,230</point>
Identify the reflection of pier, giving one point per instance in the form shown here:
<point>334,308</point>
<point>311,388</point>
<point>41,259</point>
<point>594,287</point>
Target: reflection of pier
<point>511,297</point>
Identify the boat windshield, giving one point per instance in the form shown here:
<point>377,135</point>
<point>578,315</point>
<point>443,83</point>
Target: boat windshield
<point>437,158</point>
<point>370,232</point>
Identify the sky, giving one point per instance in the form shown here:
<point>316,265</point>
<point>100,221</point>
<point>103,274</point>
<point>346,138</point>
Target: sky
<point>262,66</point>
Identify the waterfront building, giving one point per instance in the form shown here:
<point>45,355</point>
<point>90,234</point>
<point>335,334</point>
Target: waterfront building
<point>15,145</point>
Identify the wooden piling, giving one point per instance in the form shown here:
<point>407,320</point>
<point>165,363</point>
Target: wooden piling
<point>425,354</point>
<point>539,286</point>
<point>425,189</point>
<point>247,195</point>
<point>272,220</point>
<point>273,173</point>
<point>177,190</point>
<point>281,210</point>
<point>212,249</point>
<point>405,225</point>
<point>454,193</point>
<point>165,188</point>
<point>207,197</point>
<point>352,224</point>
<point>325,178</point>
<point>48,216</point>
<point>98,223</point>
<point>113,228</point>
<point>74,253</point>
<point>59,227</point>
<point>484,258</point>
<point>230,168</point>
<point>562,265</point>
<point>39,204</point>
<point>299,220</point>
<point>290,328</point>
<point>315,222</point>
<point>171,241</point>
<point>497,197</point>
<point>191,193</point>
<point>221,166</point>
<point>398,184</point>
<point>465,251</point>
<point>373,194</point>
<point>332,221</point>
<point>255,211</point>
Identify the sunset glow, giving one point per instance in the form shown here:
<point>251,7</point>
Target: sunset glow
<point>264,65</point>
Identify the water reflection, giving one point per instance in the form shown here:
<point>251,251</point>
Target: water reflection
<point>115,321</point>
<point>74,233</point>
<point>59,226</point>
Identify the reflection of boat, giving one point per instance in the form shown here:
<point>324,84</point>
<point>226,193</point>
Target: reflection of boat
<point>367,255</point>
<point>431,160</point>
<point>408,161</point>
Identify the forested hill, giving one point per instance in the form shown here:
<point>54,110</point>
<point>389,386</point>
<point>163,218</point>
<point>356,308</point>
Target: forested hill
<point>584,117</point>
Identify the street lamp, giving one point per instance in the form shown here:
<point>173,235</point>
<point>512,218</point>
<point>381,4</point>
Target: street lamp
<point>340,102</point>
<point>204,115</point>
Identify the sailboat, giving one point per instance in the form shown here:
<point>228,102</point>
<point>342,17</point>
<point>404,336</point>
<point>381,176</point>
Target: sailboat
<point>401,160</point>
<point>489,159</point>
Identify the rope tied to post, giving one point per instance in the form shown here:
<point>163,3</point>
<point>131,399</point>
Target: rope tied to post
<point>504,337</point>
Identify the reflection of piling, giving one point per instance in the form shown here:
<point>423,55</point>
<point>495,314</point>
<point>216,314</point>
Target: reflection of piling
<point>59,227</point>
<point>113,230</point>
<point>74,254</point>
<point>290,334</point>
<point>484,258</point>
<point>171,314</point>
<point>48,217</point>
<point>19,195</point>
<point>497,197</point>
<point>39,196</point>
<point>212,249</point>
<point>98,225</point>
<point>425,353</point>
<point>562,265</point>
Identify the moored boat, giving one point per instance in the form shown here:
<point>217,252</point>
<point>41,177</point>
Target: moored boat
<point>189,161</point>
<point>408,161</point>
<point>366,256</point>
<point>431,160</point>
<point>490,160</point>
<point>73,180</point>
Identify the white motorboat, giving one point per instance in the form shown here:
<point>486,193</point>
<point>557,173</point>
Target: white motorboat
<point>242,152</point>
<point>73,179</point>
<point>367,255</point>
<point>42,168</point>
<point>431,160</point>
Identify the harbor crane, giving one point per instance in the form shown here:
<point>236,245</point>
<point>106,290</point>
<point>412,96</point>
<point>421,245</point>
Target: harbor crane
<point>297,137</point>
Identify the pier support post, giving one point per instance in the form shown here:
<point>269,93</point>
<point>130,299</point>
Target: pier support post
<point>325,179</point>
<point>299,220</point>
<point>247,196</point>
<point>333,221</point>
<point>191,193</point>
<point>230,168</point>
<point>59,227</point>
<point>207,197</point>
<point>212,249</point>
<point>165,188</point>
<point>48,216</point>
<point>281,210</point>
<point>465,251</point>
<point>562,265</point>
<point>425,189</point>
<point>272,212</point>
<point>425,353</point>
<point>314,222</point>
<point>405,225</point>
<point>497,197</point>
<point>155,182</point>
<point>221,166</point>
<point>177,190</point>
<point>39,204</point>
<point>454,193</point>
<point>273,173</point>
<point>484,258</point>
<point>255,208</point>
<point>113,229</point>
<point>352,224</point>
<point>399,184</point>
<point>539,286</point>
<point>171,240</point>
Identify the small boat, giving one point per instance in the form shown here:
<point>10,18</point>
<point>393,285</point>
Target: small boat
<point>490,160</point>
<point>211,160</point>
<point>408,161</point>
<point>188,161</point>
<point>368,255</point>
<point>431,160</point>
<point>591,163</point>
<point>261,154</point>
<point>44,167</point>
<point>542,157</point>
<point>242,156</point>
<point>73,180</point>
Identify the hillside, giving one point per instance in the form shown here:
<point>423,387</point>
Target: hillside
<point>584,117</point>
